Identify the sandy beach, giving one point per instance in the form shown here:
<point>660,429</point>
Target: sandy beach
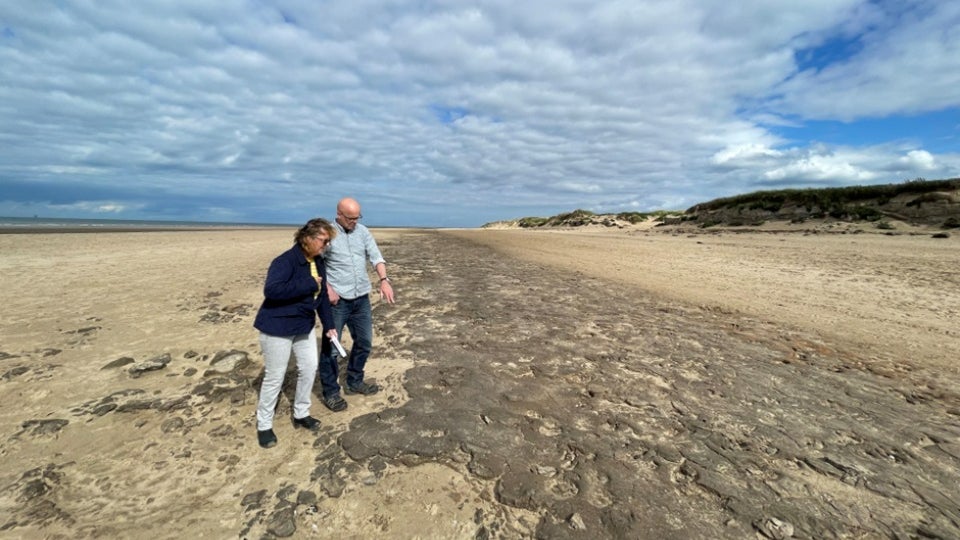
<point>897,297</point>
<point>560,384</point>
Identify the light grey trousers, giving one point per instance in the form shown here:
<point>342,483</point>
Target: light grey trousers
<point>276,356</point>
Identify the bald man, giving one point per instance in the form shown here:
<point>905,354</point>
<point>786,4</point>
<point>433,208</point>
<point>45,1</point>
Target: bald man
<point>349,289</point>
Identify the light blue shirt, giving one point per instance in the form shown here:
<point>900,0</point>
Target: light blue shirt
<point>346,261</point>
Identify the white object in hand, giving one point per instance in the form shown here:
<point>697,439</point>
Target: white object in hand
<point>336,343</point>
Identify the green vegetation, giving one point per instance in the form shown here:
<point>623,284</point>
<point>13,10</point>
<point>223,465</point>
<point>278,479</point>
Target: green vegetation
<point>585,217</point>
<point>836,202</point>
<point>528,222</point>
<point>866,213</point>
<point>571,219</point>
<point>875,204</point>
<point>639,217</point>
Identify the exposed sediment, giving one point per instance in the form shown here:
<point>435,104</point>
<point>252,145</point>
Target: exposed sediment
<point>609,413</point>
<point>520,400</point>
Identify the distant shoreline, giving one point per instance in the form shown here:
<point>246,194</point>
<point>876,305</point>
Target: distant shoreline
<point>72,229</point>
<point>42,225</point>
<point>19,225</point>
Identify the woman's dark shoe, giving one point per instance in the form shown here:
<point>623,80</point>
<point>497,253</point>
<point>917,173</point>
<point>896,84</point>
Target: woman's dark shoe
<point>267,439</point>
<point>363,388</point>
<point>307,422</point>
<point>335,403</point>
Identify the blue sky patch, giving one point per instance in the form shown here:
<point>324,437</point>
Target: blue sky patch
<point>935,132</point>
<point>835,50</point>
<point>448,115</point>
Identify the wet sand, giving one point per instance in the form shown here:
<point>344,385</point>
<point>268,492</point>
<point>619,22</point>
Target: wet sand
<point>567,385</point>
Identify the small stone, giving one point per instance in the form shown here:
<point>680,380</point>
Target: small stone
<point>224,430</point>
<point>253,500</point>
<point>546,471</point>
<point>227,361</point>
<point>173,424</point>
<point>136,405</point>
<point>285,492</point>
<point>333,487</point>
<point>84,331</point>
<point>282,523</point>
<point>576,522</point>
<point>306,498</point>
<point>377,465</point>
<point>15,372</point>
<point>119,362</point>
<point>45,427</point>
<point>104,408</point>
<point>153,364</point>
<point>775,529</point>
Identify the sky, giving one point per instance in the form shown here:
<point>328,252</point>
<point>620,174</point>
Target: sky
<point>449,113</point>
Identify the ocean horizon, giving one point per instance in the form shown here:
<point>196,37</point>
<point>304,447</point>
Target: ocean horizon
<point>44,224</point>
<point>39,224</point>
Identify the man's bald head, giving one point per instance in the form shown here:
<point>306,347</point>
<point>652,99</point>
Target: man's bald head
<point>348,213</point>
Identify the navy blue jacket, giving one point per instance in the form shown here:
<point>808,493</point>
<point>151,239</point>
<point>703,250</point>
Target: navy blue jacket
<point>289,305</point>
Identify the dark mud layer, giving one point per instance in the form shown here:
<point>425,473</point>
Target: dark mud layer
<point>614,414</point>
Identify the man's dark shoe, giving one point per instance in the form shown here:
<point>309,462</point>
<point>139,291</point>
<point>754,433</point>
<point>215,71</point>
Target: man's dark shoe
<point>335,403</point>
<point>267,438</point>
<point>363,388</point>
<point>307,422</point>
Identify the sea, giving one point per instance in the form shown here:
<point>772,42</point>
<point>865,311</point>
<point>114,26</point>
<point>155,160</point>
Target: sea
<point>43,224</point>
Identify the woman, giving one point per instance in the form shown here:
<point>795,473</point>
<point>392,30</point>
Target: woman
<point>295,290</point>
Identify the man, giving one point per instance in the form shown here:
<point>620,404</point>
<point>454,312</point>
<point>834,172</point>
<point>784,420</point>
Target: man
<point>349,289</point>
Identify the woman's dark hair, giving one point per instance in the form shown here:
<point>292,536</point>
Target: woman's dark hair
<point>313,227</point>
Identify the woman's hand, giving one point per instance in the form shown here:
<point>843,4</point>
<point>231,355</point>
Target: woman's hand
<point>332,333</point>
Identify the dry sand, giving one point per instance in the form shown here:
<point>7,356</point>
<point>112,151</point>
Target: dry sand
<point>561,384</point>
<point>895,296</point>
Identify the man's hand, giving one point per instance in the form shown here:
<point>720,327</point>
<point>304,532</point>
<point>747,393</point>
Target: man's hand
<point>386,291</point>
<point>332,295</point>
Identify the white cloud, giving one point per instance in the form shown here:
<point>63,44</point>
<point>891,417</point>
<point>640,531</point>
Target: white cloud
<point>919,159</point>
<point>822,168</point>
<point>744,153</point>
<point>909,63</point>
<point>271,110</point>
<point>93,207</point>
<point>822,165</point>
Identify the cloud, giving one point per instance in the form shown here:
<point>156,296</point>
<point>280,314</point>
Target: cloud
<point>454,113</point>
<point>907,62</point>
<point>820,168</point>
<point>94,207</point>
<point>745,153</point>
<point>919,160</point>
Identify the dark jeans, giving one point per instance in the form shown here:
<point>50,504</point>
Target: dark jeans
<point>357,317</point>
